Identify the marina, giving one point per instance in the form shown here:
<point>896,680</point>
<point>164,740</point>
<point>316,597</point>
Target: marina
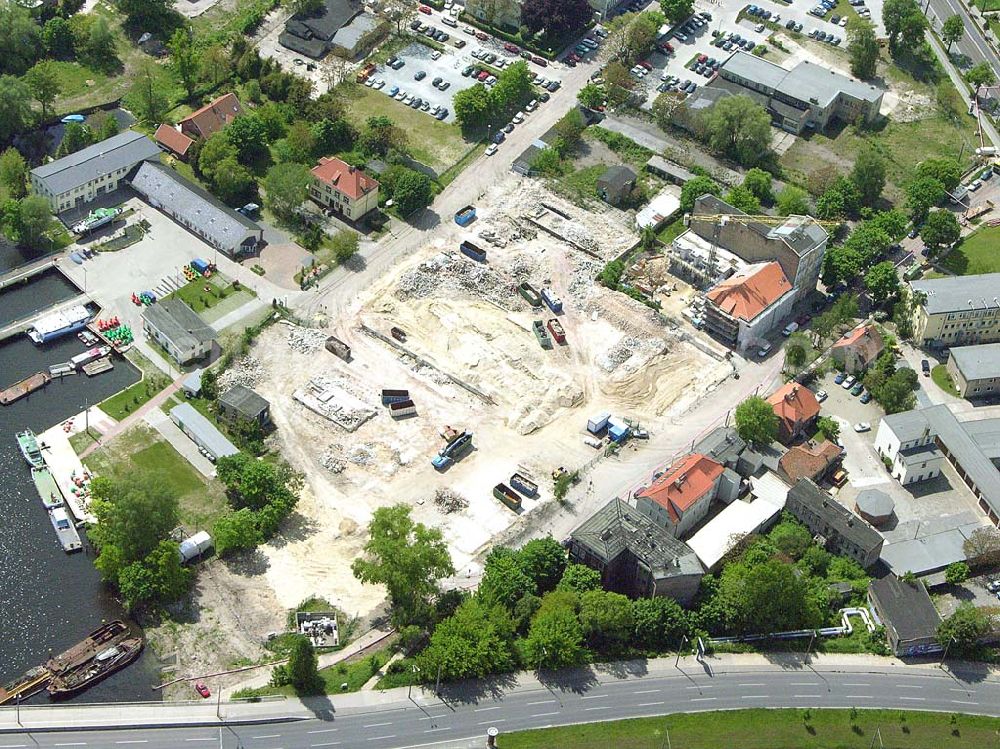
<point>98,367</point>
<point>65,530</point>
<point>71,477</point>
<point>47,488</point>
<point>24,387</point>
<point>57,324</point>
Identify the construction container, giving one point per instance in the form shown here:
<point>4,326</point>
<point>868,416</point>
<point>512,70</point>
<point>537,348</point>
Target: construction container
<point>532,297</point>
<point>523,484</point>
<point>541,334</point>
<point>508,496</point>
<point>470,250</point>
<point>199,266</point>
<point>557,331</point>
<point>555,303</point>
<point>597,423</point>
<point>394,396</point>
<point>398,333</point>
<point>338,348</point>
<point>618,430</point>
<point>465,216</point>
<point>399,409</point>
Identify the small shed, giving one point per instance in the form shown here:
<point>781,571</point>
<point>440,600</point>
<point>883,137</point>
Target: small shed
<point>615,184</point>
<point>240,402</point>
<point>191,385</point>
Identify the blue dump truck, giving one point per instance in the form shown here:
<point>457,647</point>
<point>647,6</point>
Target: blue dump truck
<point>465,216</point>
<point>470,250</point>
<point>453,451</point>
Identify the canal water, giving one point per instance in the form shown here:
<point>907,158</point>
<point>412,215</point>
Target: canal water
<point>50,600</point>
<point>23,298</point>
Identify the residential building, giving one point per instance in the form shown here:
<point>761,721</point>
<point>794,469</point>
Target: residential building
<point>616,184</point>
<point>634,555</point>
<point>856,350</point>
<point>810,460</point>
<point>957,310</point>
<point>796,407</point>
<point>975,370</point>
<point>679,499</point>
<point>841,531</point>
<point>744,308</point>
<point>909,616</point>
<point>202,432</point>
<point>83,176</point>
<point>343,189</point>
<point>173,140</point>
<point>196,210</point>
<point>916,441</point>
<point>312,33</point>
<point>212,117</point>
<point>503,14</point>
<point>240,402</point>
<point>807,96</point>
<point>178,329</point>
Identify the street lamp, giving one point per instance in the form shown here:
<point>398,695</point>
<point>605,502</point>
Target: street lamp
<point>409,688</point>
<point>945,654</point>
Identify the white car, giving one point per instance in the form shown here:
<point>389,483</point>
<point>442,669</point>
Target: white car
<point>848,383</point>
<point>378,84</point>
<point>518,118</point>
<point>764,350</point>
<point>491,149</point>
<point>436,55</point>
<point>862,426</point>
<point>400,96</point>
<point>821,396</point>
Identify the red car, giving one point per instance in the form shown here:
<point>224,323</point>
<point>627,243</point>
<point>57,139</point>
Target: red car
<point>424,9</point>
<point>574,57</point>
<point>667,48</point>
<point>201,689</point>
<point>540,61</point>
<point>646,64</point>
<point>702,58</point>
<point>482,36</point>
<point>512,48</point>
<point>483,75</point>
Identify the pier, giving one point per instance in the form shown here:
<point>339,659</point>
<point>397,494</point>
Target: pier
<point>26,271</point>
<point>66,466</point>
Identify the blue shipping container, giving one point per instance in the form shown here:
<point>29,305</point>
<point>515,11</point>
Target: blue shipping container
<point>464,216</point>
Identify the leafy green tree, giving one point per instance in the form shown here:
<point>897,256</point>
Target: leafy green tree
<point>862,48</point>
<point>13,173</point>
<point>660,623</point>
<point>922,194</point>
<point>607,619</point>
<point>303,666</point>
<point>556,17</point>
<point>236,531</point>
<point>146,13</point>
<point>104,126</point>
<point>408,558</point>
<point>739,128</point>
<point>412,191</point>
<point>15,107</point>
<point>286,187</point>
<point>254,483</point>
<point>20,38</point>
<point>580,578</point>
<point>791,537</point>
<point>333,135</point>
<point>869,174</point>
<point>473,107</point>
<point>513,87</point>
<point>893,223</point>
<point>147,97</point>
<point>618,83</point>
<point>961,631</point>
<point>896,394</point>
<point>214,151</point>
<point>952,30</point>
<point>896,16</point>
<point>43,82</point>
<point>981,74</point>
<point>249,135</point>
<point>882,282</point>
<point>758,182</point>
<point>548,163</point>
<point>695,188</point>
<point>767,597</point>
<point>869,241</point>
<point>299,143</point>
<point>956,573</point>
<point>232,182</point>
<point>57,36</point>
<point>159,577</point>
<point>828,427</point>
<point>796,351</point>
<point>756,421</point>
<point>76,137</point>
<point>504,582</point>
<point>793,200</point>
<point>544,561</point>
<point>570,129</point>
<point>344,245</point>
<point>555,638</point>
<point>743,199</point>
<point>946,171</point>
<point>591,96</point>
<point>941,229</point>
<point>99,49</point>
<point>677,10</point>
<point>476,641</point>
<point>34,218</point>
<point>830,205</point>
<point>380,135</point>
<point>184,60</point>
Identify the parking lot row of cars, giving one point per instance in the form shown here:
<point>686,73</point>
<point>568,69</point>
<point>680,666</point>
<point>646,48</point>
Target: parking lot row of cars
<point>731,41</point>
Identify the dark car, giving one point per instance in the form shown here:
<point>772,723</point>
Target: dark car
<point>415,25</point>
<point>436,81</point>
<point>419,75</point>
<point>499,137</point>
<point>540,61</point>
<point>468,71</point>
<point>509,127</point>
<point>803,320</point>
<point>925,367</point>
<point>525,54</point>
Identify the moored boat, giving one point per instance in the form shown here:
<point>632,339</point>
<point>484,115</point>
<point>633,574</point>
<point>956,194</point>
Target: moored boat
<point>87,648</point>
<point>46,487</point>
<point>58,324</point>
<point>30,449</point>
<point>104,663</point>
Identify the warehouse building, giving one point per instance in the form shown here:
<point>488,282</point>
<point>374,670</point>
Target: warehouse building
<point>210,441</point>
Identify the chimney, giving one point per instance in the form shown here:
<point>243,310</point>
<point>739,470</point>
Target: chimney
<point>351,170</point>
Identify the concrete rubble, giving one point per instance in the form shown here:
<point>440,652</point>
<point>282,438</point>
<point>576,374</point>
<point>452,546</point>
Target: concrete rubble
<point>449,501</point>
<point>246,372</point>
<point>305,340</point>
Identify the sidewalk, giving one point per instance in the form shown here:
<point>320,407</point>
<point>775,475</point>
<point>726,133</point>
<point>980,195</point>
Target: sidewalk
<point>961,85</point>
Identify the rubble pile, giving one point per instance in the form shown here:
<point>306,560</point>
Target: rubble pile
<point>246,372</point>
<point>305,340</point>
<point>459,275</point>
<point>332,461</point>
<point>362,455</point>
<point>449,501</point>
<point>618,354</point>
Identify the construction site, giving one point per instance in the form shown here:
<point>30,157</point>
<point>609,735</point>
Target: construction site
<point>512,354</point>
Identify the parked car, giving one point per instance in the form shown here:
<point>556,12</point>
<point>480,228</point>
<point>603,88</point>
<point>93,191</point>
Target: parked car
<point>424,9</point>
<point>419,75</point>
<point>491,149</point>
<point>764,349</point>
<point>862,426</point>
<point>499,137</point>
<point>540,61</point>
<point>469,70</point>
<point>789,329</point>
<point>925,367</point>
<point>436,81</point>
<point>857,389</point>
<point>821,396</point>
<point>443,86</point>
<point>436,55</point>
<point>848,383</point>
<point>839,379</point>
<point>201,689</point>
<point>866,396</point>
<point>508,128</point>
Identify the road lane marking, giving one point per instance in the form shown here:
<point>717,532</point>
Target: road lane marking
<point>914,699</point>
<point>443,728</point>
<point>593,696</point>
<point>907,686</point>
<point>752,684</point>
<point>210,738</point>
<point>754,697</point>
<point>962,702</point>
<point>646,691</point>
<point>491,722</point>
<point>72,743</point>
<point>604,707</point>
<point>133,741</point>
<point>702,699</point>
<point>379,738</point>
<point>803,684</point>
<point>324,730</point>
<point>704,687</point>
<point>848,684</point>
<point>372,725</point>
<point>329,743</point>
<point>484,709</point>
<point>858,696</point>
<point>543,702</point>
<point>543,715</point>
<point>275,735</point>
<point>963,691</point>
<point>806,696</point>
<point>650,704</point>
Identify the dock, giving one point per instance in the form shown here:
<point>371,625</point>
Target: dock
<point>48,489</point>
<point>21,326</point>
<point>24,387</point>
<point>97,367</point>
<point>65,530</point>
<point>66,468</point>
<point>26,271</point>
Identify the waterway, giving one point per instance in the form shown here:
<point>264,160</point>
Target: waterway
<point>50,600</point>
<point>21,299</point>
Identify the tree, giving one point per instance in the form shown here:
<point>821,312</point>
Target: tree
<point>286,187</point>
<point>695,188</point>
<point>606,618</point>
<point>254,483</point>
<point>956,573</point>
<point>104,125</point>
<point>214,151</point>
<point>896,14</point>
<point>862,47</point>
<point>555,639</point>
<point>896,394</point>
<point>249,135</point>
<point>677,10</point>
<point>20,38</point>
<point>236,531</point>
<point>57,36</point>
<point>304,6</point>
<point>791,537</point>
<point>743,199</point>
<point>981,74</point>
<point>660,623</point>
<point>99,48</point>
<point>756,421</point>
<point>504,582</point>
<point>961,631</point>
<point>159,577</point>
<point>298,143</point>
<point>618,83</point>
<point>869,174</point>
<point>952,30</point>
<point>766,597</point>
<point>13,173</point>
<point>893,223</point>
<point>580,578</point>
<point>232,183</point>
<point>146,13</point>
<point>344,245</point>
<point>982,546</point>
<point>412,191</point>
<point>922,194</point>
<point>758,182</point>
<point>43,82</point>
<point>473,107</point>
<point>303,667</point>
<point>215,67</point>
<point>828,427</point>
<point>941,229</point>
<point>513,87</point>
<point>544,561</point>
<point>793,200</point>
<point>76,137</point>
<point>147,96</point>
<point>591,96</point>
<point>333,135</point>
<point>796,351</point>
<point>34,217</point>
<point>408,558</point>
<point>740,128</point>
<point>882,282</point>
<point>946,171</point>
<point>569,129</point>
<point>184,60</point>
<point>15,107</point>
<point>475,641</point>
<point>557,17</point>
<point>380,135</point>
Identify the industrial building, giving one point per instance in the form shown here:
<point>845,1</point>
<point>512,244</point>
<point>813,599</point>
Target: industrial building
<point>240,402</point>
<point>178,329</point>
<point>957,310</point>
<point>202,432</point>
<point>975,370</point>
<point>634,555</point>
<point>909,616</point>
<point>842,531</point>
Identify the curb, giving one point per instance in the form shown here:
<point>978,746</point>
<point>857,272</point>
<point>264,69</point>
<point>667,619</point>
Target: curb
<point>150,725</point>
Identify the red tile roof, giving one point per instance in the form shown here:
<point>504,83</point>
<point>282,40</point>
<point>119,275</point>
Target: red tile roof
<point>681,487</point>
<point>173,139</point>
<point>749,293</point>
<point>344,178</point>
<point>794,404</point>
<point>215,115</point>
<point>809,461</point>
<point>866,337</point>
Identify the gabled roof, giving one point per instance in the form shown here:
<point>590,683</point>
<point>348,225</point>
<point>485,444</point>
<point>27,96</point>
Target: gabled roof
<point>244,400</point>
<point>681,487</point>
<point>747,294</point>
<point>343,177</point>
<point>809,461</point>
<point>173,139</point>
<point>122,151</point>
<point>865,337</point>
<point>617,176</point>
<point>179,323</point>
<point>215,115</point>
<point>794,403</point>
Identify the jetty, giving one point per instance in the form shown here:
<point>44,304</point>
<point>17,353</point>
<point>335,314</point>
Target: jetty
<point>24,387</point>
<point>47,488</point>
<point>27,271</point>
<point>68,472</point>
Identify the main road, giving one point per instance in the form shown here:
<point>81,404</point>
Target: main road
<point>625,690</point>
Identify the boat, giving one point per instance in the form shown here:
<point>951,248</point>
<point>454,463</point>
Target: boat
<point>24,387</point>
<point>90,355</point>
<point>530,295</point>
<point>97,367</point>
<point>46,487</point>
<point>57,324</point>
<point>73,118</point>
<point>557,331</point>
<point>30,449</point>
<point>107,634</point>
<point>544,339</point>
<point>28,684</point>
<point>65,530</point>
<point>87,338</point>
<point>109,660</point>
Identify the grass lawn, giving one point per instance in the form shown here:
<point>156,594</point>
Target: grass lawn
<point>769,729</point>
<point>435,143</point>
<point>121,404</point>
<point>943,380</point>
<point>143,450</point>
<point>194,295</point>
<point>977,253</point>
<point>580,186</point>
<point>354,674</point>
<point>671,231</point>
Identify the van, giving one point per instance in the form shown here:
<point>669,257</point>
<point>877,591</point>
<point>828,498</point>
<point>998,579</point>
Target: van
<point>449,21</point>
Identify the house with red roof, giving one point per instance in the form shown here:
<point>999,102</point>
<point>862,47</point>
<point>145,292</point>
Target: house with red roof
<point>744,308</point>
<point>343,189</point>
<point>858,349</point>
<point>212,117</point>
<point>173,140</point>
<point>679,499</point>
<point>796,408</point>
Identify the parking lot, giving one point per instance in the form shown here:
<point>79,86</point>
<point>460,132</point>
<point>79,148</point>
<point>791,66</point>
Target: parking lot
<point>416,58</point>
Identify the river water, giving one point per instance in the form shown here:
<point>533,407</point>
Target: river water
<point>50,600</point>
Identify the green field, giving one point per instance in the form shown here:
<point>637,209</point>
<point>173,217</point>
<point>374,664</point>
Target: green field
<point>770,729</point>
<point>153,380</point>
<point>977,253</point>
<point>354,674</point>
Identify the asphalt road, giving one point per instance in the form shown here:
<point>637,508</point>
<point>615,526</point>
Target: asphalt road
<point>972,44</point>
<point>466,717</point>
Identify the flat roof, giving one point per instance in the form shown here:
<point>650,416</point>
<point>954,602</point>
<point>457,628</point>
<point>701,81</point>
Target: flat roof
<point>925,554</point>
<point>719,535</point>
<point>754,68</point>
<point>907,606</point>
<point>660,208</point>
<point>121,151</point>
<point>658,163</point>
<point>810,82</point>
<point>959,293</point>
<point>978,362</point>
<point>207,435</point>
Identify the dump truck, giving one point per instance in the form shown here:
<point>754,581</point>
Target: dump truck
<point>555,303</point>
<point>338,348</point>
<point>508,496</point>
<point>541,334</point>
<point>532,297</point>
<point>398,333</point>
<point>399,409</point>
<point>470,250</point>
<point>453,451</point>
<point>523,484</point>
<point>394,396</point>
<point>556,329</point>
<point>465,216</point>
